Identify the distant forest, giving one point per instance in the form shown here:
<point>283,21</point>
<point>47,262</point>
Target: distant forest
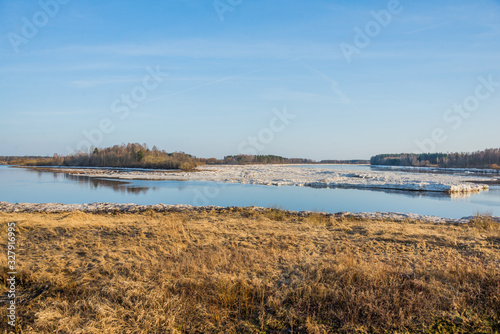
<point>125,155</point>
<point>255,159</point>
<point>273,159</point>
<point>141,156</point>
<point>489,158</point>
<point>345,162</point>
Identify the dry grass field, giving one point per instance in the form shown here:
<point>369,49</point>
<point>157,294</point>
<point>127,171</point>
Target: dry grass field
<point>240,271</point>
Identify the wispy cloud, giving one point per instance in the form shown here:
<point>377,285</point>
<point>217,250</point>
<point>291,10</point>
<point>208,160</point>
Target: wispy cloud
<point>334,85</point>
<point>52,113</point>
<point>214,82</point>
<point>212,49</point>
<point>56,66</point>
<point>296,96</point>
<point>87,83</point>
<point>430,27</point>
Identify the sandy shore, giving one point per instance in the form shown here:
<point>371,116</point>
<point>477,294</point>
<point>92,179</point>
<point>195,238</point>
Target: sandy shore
<point>279,175</point>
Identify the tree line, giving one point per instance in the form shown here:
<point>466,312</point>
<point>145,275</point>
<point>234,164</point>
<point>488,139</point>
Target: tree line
<point>141,156</point>
<point>346,162</point>
<point>489,158</point>
<point>126,155</point>
<point>243,159</point>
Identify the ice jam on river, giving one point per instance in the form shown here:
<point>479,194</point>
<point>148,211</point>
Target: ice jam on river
<point>303,176</point>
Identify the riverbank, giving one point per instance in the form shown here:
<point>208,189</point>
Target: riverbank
<point>249,270</point>
<point>278,175</point>
<point>113,208</point>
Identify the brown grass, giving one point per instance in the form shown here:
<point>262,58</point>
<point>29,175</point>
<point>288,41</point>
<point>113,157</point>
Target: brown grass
<point>239,271</point>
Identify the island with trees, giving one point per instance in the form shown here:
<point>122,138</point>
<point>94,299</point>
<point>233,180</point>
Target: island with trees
<point>135,155</point>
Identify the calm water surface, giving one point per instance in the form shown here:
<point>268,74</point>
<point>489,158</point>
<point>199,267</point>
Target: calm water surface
<point>20,185</point>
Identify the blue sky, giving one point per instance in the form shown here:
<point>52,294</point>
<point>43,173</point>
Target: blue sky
<point>227,67</point>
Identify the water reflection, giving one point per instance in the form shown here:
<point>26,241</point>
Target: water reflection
<point>116,185</point>
<point>94,183</point>
<point>433,194</point>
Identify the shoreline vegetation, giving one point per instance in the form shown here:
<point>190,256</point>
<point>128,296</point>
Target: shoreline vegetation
<point>248,270</point>
<point>135,155</point>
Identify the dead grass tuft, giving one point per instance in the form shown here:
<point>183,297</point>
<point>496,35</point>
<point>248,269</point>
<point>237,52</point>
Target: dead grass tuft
<point>484,222</point>
<point>319,219</point>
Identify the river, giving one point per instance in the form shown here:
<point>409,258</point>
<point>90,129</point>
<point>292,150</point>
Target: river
<point>19,185</point>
